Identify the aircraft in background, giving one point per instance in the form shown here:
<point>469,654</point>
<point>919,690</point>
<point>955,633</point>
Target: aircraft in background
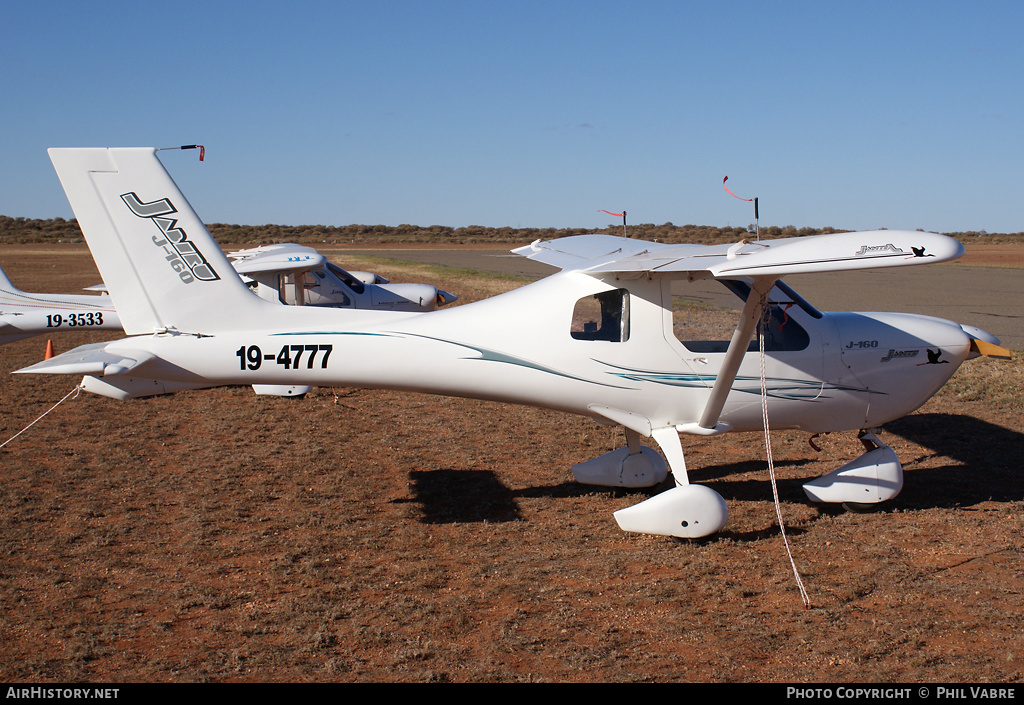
<point>288,274</point>
<point>296,275</point>
<point>595,339</point>
<point>291,274</point>
<point>24,315</point>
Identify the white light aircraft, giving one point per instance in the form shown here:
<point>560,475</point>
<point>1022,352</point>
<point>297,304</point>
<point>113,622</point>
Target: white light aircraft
<point>23,315</point>
<point>288,273</point>
<point>595,339</point>
<point>300,276</point>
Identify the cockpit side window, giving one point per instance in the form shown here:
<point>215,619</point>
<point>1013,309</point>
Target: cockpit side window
<point>781,331</point>
<point>603,316</point>
<point>290,290</point>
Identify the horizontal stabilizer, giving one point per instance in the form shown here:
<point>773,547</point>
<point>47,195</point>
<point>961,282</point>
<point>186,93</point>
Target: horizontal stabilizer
<point>92,359</point>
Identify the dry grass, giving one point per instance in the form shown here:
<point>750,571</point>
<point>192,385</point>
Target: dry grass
<point>468,284</point>
<point>360,535</point>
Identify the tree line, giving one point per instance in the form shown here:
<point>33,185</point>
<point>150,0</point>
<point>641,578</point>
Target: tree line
<point>59,230</point>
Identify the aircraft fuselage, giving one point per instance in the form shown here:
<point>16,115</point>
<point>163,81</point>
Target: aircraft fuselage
<point>855,370</point>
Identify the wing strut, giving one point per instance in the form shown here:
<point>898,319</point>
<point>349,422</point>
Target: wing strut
<point>737,349</point>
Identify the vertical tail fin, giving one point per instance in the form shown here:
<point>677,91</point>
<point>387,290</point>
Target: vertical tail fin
<point>5,283</point>
<point>163,268</point>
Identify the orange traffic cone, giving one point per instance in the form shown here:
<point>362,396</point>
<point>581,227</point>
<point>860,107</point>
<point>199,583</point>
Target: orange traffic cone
<point>49,350</point>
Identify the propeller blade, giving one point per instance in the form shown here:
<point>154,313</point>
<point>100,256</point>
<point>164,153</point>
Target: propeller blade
<point>989,350</point>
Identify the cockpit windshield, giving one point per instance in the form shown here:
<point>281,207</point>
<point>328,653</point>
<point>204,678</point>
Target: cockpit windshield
<point>350,281</point>
<point>782,295</point>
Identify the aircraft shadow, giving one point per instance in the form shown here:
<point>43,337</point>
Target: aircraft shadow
<point>462,496</point>
<point>717,478</point>
<point>466,496</point>
<point>981,470</point>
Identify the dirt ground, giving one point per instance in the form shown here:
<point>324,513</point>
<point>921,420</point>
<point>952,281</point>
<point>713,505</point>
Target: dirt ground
<point>359,535</point>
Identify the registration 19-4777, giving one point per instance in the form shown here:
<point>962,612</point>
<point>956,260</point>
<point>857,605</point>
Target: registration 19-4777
<point>291,357</point>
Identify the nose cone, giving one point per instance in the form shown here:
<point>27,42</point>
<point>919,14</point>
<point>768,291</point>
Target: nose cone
<point>446,297</point>
<point>901,359</point>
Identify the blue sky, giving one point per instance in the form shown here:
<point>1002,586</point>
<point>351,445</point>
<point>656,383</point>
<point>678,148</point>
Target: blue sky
<point>531,114</point>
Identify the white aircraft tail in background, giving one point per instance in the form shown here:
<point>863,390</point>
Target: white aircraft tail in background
<point>595,339</point>
<point>24,315</point>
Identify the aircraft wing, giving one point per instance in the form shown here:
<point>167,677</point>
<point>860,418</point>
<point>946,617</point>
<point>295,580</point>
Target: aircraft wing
<point>276,258</point>
<point>774,258</point>
<point>584,251</point>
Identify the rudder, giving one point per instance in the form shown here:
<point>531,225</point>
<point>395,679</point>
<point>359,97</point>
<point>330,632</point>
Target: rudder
<point>162,267</point>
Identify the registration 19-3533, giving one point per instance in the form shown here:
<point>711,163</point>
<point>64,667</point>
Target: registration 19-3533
<point>74,320</point>
<point>290,356</point>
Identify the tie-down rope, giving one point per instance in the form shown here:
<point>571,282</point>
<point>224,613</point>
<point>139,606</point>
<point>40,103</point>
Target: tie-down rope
<point>74,391</point>
<point>762,325</point>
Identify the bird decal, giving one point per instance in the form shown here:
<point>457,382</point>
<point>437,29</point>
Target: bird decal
<point>933,358</point>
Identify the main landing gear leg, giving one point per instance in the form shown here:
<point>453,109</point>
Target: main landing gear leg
<point>686,511</point>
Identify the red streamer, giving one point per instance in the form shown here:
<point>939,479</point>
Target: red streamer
<point>748,200</point>
<point>201,148</point>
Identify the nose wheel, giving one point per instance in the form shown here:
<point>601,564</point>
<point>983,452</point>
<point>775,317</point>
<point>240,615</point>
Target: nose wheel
<point>860,485</point>
<point>860,508</point>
